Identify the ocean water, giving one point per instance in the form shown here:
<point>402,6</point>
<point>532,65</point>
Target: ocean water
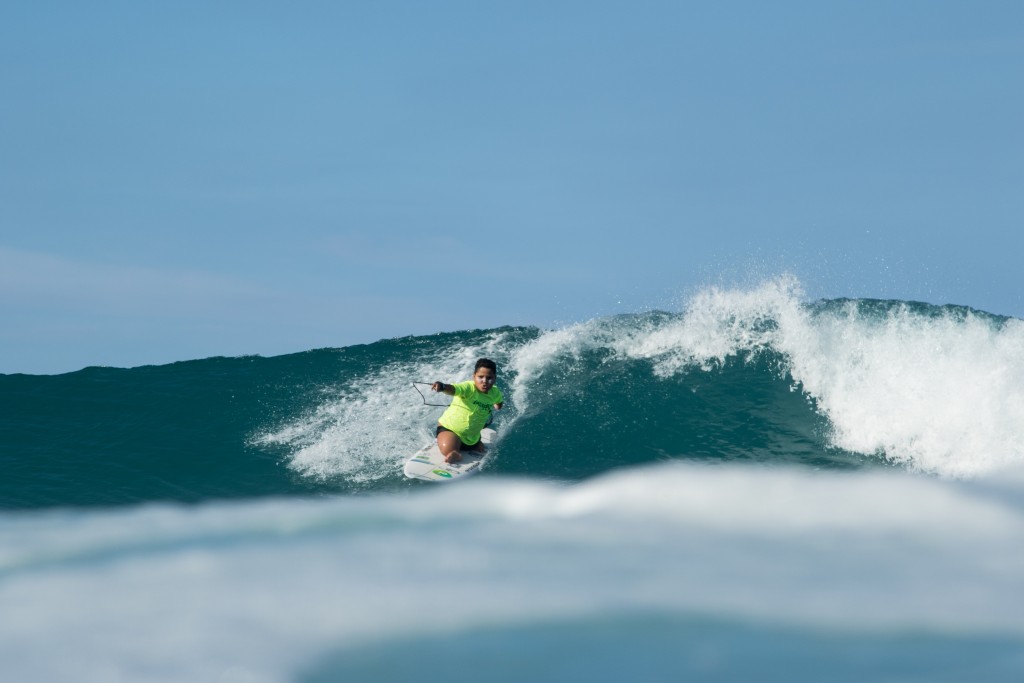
<point>755,487</point>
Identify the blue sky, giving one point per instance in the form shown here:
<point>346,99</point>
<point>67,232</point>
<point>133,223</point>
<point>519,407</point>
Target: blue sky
<point>182,180</point>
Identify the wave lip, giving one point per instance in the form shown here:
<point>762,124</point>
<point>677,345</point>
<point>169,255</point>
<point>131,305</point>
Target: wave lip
<point>938,389</point>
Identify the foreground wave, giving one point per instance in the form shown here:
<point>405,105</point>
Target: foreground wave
<point>669,570</point>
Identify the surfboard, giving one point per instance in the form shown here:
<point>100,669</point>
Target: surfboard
<point>428,463</point>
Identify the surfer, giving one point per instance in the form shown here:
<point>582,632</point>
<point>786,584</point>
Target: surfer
<point>458,428</point>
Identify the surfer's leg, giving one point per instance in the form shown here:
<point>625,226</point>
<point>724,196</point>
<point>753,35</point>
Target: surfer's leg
<point>449,445</point>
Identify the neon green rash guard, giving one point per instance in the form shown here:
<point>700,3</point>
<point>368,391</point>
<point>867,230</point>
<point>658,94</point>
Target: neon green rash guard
<point>469,411</point>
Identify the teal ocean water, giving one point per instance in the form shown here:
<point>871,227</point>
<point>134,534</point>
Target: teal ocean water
<point>755,487</point>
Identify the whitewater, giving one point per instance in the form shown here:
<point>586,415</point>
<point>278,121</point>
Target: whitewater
<point>754,487</point>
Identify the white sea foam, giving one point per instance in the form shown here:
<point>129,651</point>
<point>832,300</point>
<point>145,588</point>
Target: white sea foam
<point>942,395</point>
<point>256,591</point>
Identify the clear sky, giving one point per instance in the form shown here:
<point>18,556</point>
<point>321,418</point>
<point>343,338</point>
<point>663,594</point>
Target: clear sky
<point>189,179</point>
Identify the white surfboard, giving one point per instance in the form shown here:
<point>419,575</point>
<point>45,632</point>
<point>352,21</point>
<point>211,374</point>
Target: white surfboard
<point>428,463</point>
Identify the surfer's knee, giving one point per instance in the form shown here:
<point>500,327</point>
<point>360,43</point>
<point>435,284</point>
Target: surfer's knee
<point>447,442</point>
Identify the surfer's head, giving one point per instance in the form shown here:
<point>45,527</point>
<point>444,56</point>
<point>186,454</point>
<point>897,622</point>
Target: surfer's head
<point>484,374</point>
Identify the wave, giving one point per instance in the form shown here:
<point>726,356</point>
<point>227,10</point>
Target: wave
<point>739,375</point>
<point>759,376</point>
<point>675,569</point>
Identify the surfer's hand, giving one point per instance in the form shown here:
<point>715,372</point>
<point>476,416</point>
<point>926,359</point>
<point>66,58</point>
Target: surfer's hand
<point>437,386</point>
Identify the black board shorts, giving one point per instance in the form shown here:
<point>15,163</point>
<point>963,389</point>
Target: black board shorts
<point>463,446</point>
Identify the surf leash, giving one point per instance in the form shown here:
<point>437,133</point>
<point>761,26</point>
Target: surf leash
<point>423,396</point>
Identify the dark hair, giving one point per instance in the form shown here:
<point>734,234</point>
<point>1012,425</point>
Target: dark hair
<point>486,363</point>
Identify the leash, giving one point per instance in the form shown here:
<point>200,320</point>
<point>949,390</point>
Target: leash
<point>423,396</point>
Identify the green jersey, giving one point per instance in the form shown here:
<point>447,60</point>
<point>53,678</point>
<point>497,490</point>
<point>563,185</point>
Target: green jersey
<point>469,411</point>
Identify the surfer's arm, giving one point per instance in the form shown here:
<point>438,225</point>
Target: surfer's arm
<point>443,388</point>
<point>498,406</point>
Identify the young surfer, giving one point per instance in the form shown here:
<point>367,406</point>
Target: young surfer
<point>458,428</point>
